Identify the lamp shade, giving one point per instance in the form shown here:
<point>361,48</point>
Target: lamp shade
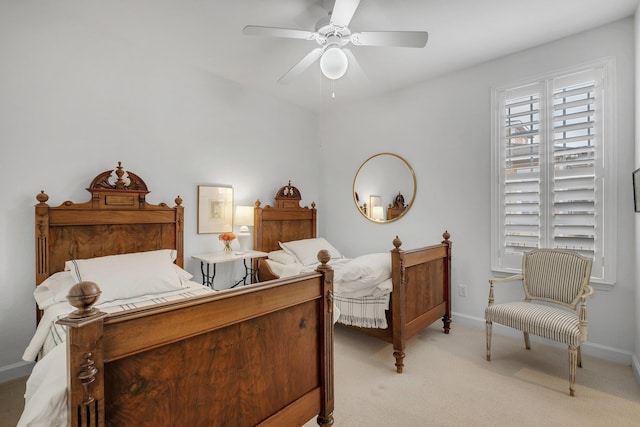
<point>334,63</point>
<point>244,215</point>
<point>377,213</point>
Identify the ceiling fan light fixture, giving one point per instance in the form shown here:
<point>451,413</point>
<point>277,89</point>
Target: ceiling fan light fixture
<point>334,63</point>
<point>332,34</point>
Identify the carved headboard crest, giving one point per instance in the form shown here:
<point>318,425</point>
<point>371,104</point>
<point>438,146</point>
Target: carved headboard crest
<point>288,197</point>
<point>123,180</point>
<point>131,188</point>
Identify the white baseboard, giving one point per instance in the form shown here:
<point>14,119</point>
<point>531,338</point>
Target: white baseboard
<point>610,354</point>
<point>635,366</point>
<point>16,370</point>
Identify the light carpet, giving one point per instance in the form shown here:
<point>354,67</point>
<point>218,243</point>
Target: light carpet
<point>448,382</point>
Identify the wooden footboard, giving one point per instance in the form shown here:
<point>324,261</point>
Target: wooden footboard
<point>421,294</point>
<point>258,355</point>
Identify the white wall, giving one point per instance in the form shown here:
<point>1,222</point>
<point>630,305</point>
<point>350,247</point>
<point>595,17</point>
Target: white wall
<point>442,127</point>
<point>74,102</point>
<point>636,355</point>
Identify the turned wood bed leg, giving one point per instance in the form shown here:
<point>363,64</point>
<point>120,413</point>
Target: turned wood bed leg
<point>446,320</point>
<point>447,281</point>
<point>322,421</point>
<point>325,417</point>
<point>398,304</point>
<point>399,355</point>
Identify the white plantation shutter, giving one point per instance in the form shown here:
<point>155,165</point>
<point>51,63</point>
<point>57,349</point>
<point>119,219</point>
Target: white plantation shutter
<point>552,187</point>
<point>521,206</point>
<point>574,173</point>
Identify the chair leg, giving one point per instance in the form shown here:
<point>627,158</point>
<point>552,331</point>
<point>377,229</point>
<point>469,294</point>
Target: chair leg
<point>527,343</point>
<point>489,340</point>
<point>580,357</point>
<point>573,362</point>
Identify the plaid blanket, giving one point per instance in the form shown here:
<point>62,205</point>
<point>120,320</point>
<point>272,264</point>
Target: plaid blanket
<point>364,312</point>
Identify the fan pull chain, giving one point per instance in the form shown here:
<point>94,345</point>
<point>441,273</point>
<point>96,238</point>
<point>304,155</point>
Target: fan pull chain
<point>333,89</point>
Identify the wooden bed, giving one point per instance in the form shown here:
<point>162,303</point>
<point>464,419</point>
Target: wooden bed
<point>421,277</point>
<point>257,355</point>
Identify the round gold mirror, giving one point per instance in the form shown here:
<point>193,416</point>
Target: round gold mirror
<point>384,187</point>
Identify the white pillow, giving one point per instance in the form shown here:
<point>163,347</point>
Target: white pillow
<point>306,250</point>
<point>282,257</point>
<point>54,289</point>
<point>128,275</point>
<point>183,275</point>
<point>369,269</point>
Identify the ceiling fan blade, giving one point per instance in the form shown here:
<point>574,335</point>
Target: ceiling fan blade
<point>287,33</point>
<point>391,38</point>
<point>302,65</point>
<point>354,72</point>
<point>343,11</point>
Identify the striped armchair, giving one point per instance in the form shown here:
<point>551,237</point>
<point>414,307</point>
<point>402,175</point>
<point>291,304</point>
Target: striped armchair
<point>553,276</point>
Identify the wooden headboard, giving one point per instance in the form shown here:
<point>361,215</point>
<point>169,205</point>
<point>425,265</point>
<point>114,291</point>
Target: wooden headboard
<point>116,220</point>
<point>284,222</point>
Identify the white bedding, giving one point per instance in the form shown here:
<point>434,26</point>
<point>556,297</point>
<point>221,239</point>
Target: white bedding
<point>362,285</point>
<point>45,395</point>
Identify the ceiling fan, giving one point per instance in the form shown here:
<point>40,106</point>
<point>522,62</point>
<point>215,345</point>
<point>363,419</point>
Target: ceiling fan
<point>332,34</point>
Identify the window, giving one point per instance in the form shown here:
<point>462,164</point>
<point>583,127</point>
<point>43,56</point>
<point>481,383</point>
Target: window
<point>553,157</point>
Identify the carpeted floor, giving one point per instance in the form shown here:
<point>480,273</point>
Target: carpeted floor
<point>11,401</point>
<point>448,382</point>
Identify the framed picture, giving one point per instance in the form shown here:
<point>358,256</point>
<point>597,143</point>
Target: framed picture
<point>636,190</point>
<point>215,209</point>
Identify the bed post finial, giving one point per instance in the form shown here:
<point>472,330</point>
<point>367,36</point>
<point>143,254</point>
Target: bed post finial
<point>178,201</point>
<point>397,243</point>
<point>324,256</point>
<point>257,203</point>
<point>83,296</point>
<point>42,197</point>
<point>120,185</point>
<point>446,236</point>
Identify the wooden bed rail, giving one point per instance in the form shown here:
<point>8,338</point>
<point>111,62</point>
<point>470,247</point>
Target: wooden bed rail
<point>257,355</point>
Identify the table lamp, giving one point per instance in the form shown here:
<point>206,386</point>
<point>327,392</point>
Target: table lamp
<point>377,213</point>
<point>244,218</point>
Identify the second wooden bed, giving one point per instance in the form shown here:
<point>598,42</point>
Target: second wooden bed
<point>421,277</point>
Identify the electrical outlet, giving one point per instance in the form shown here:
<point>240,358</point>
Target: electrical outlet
<point>462,290</point>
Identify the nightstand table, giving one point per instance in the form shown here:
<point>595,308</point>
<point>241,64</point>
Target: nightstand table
<point>208,265</point>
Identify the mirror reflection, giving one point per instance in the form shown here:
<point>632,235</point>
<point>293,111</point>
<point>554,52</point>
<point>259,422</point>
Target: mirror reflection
<point>384,187</point>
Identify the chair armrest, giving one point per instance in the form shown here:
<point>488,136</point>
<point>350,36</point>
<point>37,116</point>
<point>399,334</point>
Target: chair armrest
<point>506,279</point>
<point>500,280</point>
<point>588,293</point>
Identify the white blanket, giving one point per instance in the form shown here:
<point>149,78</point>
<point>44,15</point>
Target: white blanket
<point>362,287</point>
<point>46,390</point>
